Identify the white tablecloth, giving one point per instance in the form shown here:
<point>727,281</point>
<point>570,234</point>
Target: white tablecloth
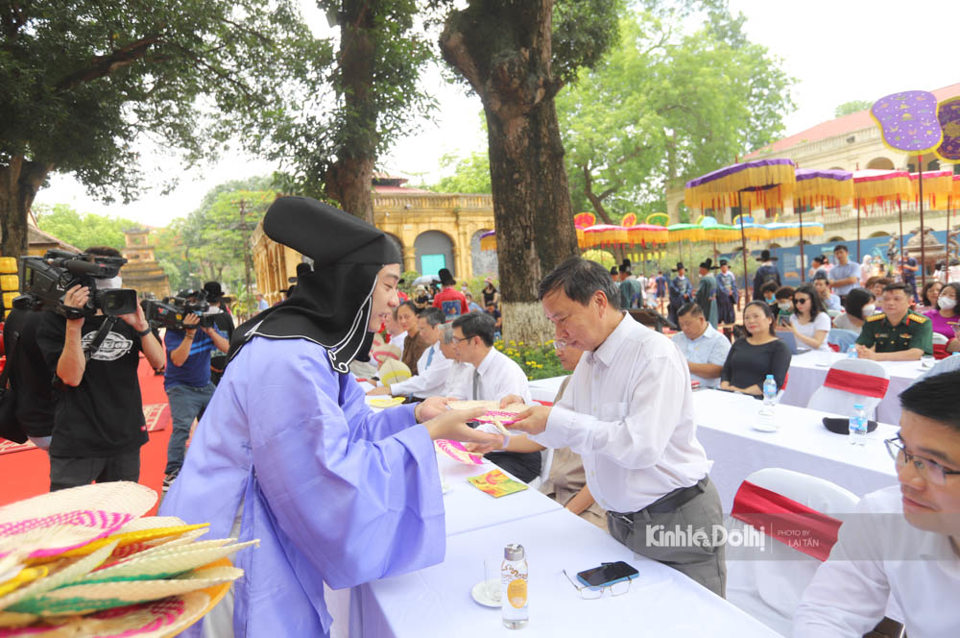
<point>725,428</point>
<point>436,601</point>
<point>808,370</point>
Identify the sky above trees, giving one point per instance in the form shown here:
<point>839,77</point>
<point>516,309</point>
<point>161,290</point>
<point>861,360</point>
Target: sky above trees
<point>838,52</point>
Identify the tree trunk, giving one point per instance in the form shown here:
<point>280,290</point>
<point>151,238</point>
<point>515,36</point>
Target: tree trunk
<point>20,180</point>
<point>595,200</point>
<point>531,197</point>
<point>349,179</point>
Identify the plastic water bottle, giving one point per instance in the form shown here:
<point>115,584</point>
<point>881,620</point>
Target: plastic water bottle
<point>852,351</point>
<point>767,421</point>
<point>513,579</point>
<point>858,425</point>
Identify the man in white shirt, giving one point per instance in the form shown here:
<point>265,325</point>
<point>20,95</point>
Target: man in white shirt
<point>701,345</point>
<point>904,541</point>
<point>495,376</point>
<point>628,412</point>
<point>432,366</point>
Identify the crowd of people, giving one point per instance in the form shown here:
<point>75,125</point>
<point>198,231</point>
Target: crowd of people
<point>289,452</point>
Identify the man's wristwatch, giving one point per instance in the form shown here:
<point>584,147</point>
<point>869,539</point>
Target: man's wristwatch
<point>144,332</point>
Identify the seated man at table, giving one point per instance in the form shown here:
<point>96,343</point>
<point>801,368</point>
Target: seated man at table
<point>903,540</point>
<point>830,300</point>
<point>897,334</point>
<point>495,375</point>
<point>432,367</point>
<point>628,412</point>
<point>704,348</point>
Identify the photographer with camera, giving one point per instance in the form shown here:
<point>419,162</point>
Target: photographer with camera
<point>187,378</point>
<point>98,422</point>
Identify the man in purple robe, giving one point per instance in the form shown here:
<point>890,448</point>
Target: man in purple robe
<point>288,451</point>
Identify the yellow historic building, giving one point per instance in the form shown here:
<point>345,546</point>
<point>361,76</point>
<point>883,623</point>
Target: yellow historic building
<point>433,230</point>
<point>848,143</point>
<point>142,272</point>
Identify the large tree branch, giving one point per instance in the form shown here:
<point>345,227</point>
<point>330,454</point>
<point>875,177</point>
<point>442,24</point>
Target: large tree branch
<point>596,202</point>
<point>103,65</point>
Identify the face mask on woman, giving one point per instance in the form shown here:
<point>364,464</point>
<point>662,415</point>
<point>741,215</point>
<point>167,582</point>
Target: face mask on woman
<point>868,310</point>
<point>946,303</point>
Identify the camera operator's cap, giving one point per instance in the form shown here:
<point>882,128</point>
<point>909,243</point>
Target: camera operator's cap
<point>326,234</point>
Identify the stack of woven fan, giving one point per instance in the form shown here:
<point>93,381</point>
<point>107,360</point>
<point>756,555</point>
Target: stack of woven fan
<point>86,562</point>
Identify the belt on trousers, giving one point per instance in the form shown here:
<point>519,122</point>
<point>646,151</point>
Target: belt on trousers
<point>670,502</point>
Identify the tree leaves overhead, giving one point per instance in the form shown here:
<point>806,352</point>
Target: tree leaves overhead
<point>668,103</point>
<point>82,80</point>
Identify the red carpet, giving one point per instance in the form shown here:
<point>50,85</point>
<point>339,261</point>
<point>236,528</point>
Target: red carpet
<point>27,473</point>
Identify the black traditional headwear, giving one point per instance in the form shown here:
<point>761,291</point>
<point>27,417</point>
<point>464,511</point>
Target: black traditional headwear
<point>331,305</point>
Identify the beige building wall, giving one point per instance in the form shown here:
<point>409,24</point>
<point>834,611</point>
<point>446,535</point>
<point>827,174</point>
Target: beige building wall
<point>405,216</point>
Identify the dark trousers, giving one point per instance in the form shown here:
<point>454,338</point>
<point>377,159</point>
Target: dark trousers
<point>524,465</point>
<point>725,308</point>
<point>73,471</point>
<point>644,532</point>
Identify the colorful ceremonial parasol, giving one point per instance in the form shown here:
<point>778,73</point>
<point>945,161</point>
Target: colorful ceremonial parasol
<point>937,187</point>
<point>763,184</point>
<point>824,188</point>
<point>630,219</point>
<point>604,236</point>
<point>872,187</point>
<point>644,234</point>
<point>908,122</point>
<point>488,240</point>
<point>658,219</point>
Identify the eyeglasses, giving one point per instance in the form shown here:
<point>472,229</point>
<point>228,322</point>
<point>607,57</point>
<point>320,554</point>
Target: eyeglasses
<point>800,301</point>
<point>930,470</point>
<point>457,339</point>
<point>559,344</point>
<point>593,593</point>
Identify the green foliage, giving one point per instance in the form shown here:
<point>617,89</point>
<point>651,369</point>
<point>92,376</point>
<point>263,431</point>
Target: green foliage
<point>82,230</point>
<point>472,175</point>
<point>81,80</point>
<point>666,105</point>
<point>854,106</point>
<point>539,361</point>
<point>602,257</point>
<point>211,243</point>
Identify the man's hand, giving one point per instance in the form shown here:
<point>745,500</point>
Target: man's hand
<point>379,391</point>
<point>191,320</point>
<point>452,425</point>
<point>432,407</point>
<point>533,420</point>
<point>136,320</point>
<point>76,297</point>
<point>510,399</point>
<point>863,352</point>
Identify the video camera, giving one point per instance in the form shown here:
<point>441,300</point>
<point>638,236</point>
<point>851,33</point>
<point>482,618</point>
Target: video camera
<point>46,279</point>
<point>170,312</point>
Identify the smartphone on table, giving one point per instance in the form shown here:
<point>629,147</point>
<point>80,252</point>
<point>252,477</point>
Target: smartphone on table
<point>607,574</point>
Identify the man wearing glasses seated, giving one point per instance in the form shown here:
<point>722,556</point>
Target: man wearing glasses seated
<point>903,540</point>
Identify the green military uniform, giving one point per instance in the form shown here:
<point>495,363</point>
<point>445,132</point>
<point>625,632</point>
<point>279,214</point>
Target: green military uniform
<point>913,331</point>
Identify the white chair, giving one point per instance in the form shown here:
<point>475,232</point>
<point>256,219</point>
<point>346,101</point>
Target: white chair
<point>843,339</point>
<point>546,460</point>
<point>839,392</point>
<point>940,339</point>
<point>768,585</point>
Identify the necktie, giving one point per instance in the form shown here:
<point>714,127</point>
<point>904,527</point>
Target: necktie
<point>429,356</point>
<point>476,385</point>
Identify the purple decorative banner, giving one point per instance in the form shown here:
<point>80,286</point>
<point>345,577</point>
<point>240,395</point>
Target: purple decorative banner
<point>949,116</point>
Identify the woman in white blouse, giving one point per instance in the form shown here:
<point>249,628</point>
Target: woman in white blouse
<point>809,322</point>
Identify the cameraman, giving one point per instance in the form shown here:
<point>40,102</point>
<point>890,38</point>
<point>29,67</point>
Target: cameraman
<point>187,379</point>
<point>98,424</point>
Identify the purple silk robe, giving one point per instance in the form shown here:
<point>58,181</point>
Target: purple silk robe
<point>333,491</point>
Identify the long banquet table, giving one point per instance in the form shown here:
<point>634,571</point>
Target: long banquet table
<point>808,370</point>
<point>725,427</point>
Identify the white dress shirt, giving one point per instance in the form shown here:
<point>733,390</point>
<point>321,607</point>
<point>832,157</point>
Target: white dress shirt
<point>628,412</point>
<point>432,369</point>
<point>710,347</point>
<point>879,554</point>
<point>497,376</point>
<point>458,380</point>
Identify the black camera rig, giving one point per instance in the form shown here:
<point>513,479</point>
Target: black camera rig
<point>45,280</point>
<point>170,312</point>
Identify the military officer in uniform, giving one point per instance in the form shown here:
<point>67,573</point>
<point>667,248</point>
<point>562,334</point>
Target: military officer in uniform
<point>898,334</point>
